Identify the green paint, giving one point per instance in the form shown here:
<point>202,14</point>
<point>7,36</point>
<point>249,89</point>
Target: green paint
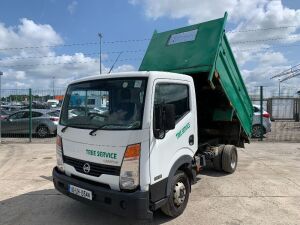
<point>101,154</point>
<point>183,130</point>
<point>209,53</point>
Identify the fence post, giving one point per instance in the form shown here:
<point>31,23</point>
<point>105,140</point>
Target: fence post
<point>30,115</point>
<point>261,113</point>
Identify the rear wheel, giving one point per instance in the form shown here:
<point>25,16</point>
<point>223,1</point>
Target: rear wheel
<point>256,130</point>
<point>229,158</point>
<point>179,196</point>
<point>217,160</point>
<point>42,131</point>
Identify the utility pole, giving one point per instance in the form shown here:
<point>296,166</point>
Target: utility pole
<point>261,112</point>
<point>53,78</point>
<point>279,87</point>
<point>1,73</point>
<point>100,42</point>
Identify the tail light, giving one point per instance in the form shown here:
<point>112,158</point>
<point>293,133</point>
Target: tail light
<point>54,119</point>
<point>266,115</point>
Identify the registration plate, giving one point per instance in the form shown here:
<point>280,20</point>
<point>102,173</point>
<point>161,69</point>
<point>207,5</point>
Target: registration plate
<point>80,192</point>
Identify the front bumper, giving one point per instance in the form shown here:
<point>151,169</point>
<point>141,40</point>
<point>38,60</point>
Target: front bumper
<point>135,204</point>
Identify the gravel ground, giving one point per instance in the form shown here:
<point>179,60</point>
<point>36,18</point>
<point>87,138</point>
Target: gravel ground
<point>265,189</point>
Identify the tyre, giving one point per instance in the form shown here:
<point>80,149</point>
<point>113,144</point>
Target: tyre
<point>229,158</point>
<point>42,131</point>
<point>179,195</point>
<point>256,131</point>
<point>217,160</point>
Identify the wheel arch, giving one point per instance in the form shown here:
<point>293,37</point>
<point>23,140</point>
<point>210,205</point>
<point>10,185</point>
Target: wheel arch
<point>184,163</point>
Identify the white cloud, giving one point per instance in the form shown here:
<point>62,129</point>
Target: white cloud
<point>124,68</point>
<point>272,58</point>
<point>35,67</point>
<point>72,7</point>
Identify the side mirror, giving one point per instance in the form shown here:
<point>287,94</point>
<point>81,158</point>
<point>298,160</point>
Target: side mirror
<point>164,119</point>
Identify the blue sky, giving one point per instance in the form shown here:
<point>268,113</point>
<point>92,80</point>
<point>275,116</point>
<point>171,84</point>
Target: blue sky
<point>56,22</point>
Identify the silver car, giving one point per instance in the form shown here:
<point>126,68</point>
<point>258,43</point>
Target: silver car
<point>267,124</point>
<point>44,123</point>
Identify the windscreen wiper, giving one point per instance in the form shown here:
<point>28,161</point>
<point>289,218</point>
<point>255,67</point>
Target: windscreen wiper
<point>70,125</point>
<point>92,133</point>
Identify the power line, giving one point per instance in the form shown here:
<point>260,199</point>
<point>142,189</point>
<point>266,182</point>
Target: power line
<point>85,54</point>
<point>265,40</point>
<point>293,69</point>
<point>78,62</point>
<point>265,48</point>
<point>130,40</point>
<point>260,29</point>
<point>49,46</point>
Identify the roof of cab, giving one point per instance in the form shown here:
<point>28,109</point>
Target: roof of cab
<point>153,74</point>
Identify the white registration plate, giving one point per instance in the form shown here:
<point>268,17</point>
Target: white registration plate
<point>80,192</point>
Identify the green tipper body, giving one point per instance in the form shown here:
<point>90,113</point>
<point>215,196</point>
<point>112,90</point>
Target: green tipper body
<point>202,49</point>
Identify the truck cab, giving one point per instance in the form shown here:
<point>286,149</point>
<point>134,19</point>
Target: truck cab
<point>126,149</point>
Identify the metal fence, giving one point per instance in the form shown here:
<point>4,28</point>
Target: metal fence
<point>32,115</point>
<point>29,115</point>
<point>280,108</point>
<point>284,114</point>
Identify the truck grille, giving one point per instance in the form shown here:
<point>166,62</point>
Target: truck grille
<point>95,169</point>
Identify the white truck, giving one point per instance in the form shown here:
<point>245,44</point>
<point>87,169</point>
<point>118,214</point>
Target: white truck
<point>159,130</point>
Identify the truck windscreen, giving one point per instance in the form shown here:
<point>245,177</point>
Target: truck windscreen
<point>108,104</point>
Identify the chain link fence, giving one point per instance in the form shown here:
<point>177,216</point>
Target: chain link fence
<point>283,111</point>
<point>30,115</point>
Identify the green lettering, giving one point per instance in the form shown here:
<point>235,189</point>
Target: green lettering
<point>101,154</point>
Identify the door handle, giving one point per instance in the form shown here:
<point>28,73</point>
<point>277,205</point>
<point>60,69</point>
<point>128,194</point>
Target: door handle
<point>191,140</point>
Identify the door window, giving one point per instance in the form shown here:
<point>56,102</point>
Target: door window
<point>176,94</point>
<point>36,114</point>
<point>17,116</point>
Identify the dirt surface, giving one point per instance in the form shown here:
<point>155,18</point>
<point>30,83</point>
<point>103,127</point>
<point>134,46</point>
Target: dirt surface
<point>265,189</point>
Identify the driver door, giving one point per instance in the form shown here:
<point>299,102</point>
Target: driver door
<point>176,142</point>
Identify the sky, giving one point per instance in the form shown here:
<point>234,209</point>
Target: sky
<point>46,40</point>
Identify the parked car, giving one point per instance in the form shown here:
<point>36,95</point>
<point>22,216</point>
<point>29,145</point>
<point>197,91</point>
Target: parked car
<point>37,105</point>
<point>3,115</point>
<point>9,109</point>
<point>43,123</point>
<point>256,127</point>
<point>53,103</point>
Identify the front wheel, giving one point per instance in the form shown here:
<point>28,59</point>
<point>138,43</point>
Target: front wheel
<point>179,196</point>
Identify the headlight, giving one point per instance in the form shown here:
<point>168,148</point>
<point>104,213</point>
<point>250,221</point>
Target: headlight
<point>130,170</point>
<point>59,154</point>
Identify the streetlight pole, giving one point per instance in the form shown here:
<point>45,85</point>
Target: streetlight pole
<point>1,73</point>
<point>100,57</point>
